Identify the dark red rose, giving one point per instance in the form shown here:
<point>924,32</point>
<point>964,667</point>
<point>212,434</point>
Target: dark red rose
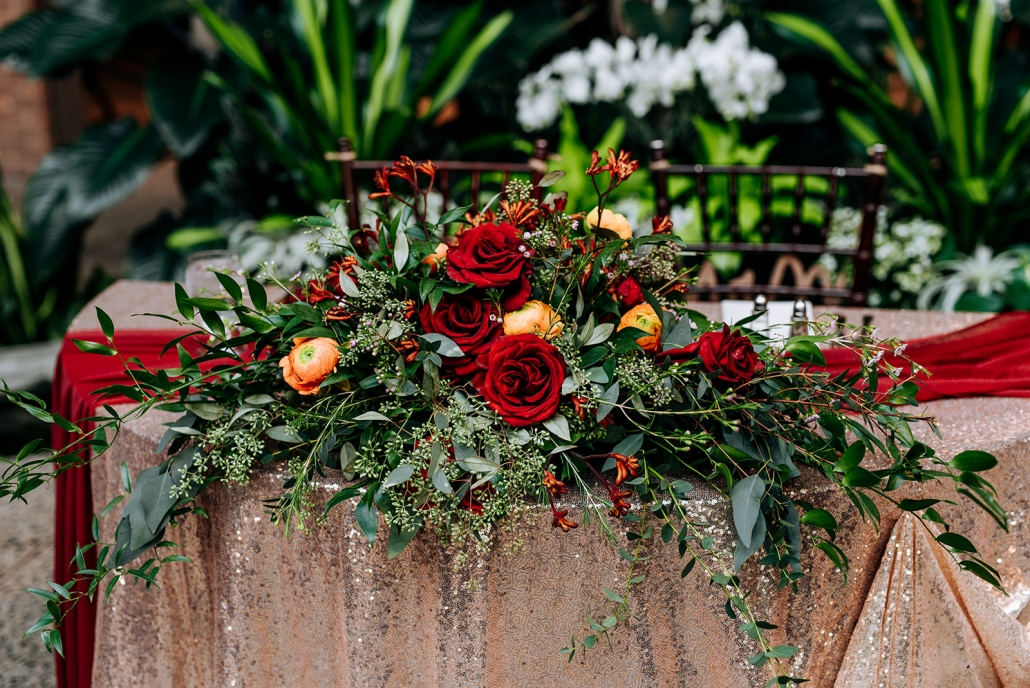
<point>522,379</point>
<point>728,352</point>
<point>629,293</point>
<point>516,294</point>
<point>488,256</point>
<point>465,318</point>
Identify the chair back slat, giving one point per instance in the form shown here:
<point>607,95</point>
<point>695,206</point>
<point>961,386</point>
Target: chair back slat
<point>447,170</point>
<point>831,204</point>
<point>799,202</point>
<point>702,194</point>
<point>734,224</point>
<point>766,213</point>
<point>797,240</point>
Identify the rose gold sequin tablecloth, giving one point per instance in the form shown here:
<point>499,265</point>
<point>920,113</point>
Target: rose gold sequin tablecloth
<point>322,609</point>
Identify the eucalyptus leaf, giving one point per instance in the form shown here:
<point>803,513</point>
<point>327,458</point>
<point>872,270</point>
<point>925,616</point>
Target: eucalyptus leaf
<point>746,498</point>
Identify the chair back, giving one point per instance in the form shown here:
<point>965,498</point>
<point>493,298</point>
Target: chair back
<point>798,244</point>
<point>452,177</point>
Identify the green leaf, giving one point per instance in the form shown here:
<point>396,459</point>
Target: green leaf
<point>820,518</point>
<point>442,344</point>
<point>851,457</point>
<point>956,542</point>
<point>462,69</point>
<point>257,294</point>
<point>859,477</point>
<point>782,651</point>
<point>231,286</point>
<point>236,41</point>
<point>972,460</point>
<point>558,425</point>
<point>182,302</point>
<point>399,475</point>
<point>341,496</point>
<point>981,570</point>
<point>917,504</point>
<point>400,251</point>
<point>284,433</point>
<point>106,326</point>
<point>184,105</point>
<point>612,595</point>
<point>805,351</point>
<point>366,515</point>
<point>746,498</point>
<point>94,348</point>
<point>399,539</point>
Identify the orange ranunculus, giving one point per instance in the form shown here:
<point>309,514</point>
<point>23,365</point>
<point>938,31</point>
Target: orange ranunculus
<point>434,259</point>
<point>644,318</point>
<point>310,362</point>
<point>611,221</point>
<point>535,317</point>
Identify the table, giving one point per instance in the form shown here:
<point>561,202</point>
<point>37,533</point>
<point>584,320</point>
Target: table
<point>321,608</point>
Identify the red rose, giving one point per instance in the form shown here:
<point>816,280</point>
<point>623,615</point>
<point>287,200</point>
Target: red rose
<point>464,318</point>
<point>629,293</point>
<point>728,352</point>
<point>523,378</point>
<point>492,256</point>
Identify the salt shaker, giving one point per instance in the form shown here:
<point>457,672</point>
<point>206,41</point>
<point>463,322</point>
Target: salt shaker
<point>799,320</point>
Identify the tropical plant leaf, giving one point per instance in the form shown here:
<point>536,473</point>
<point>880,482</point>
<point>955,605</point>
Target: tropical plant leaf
<point>184,104</point>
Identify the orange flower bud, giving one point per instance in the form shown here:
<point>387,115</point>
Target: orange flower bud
<point>644,318</point>
<point>611,221</point>
<point>311,361</point>
<point>535,317</point>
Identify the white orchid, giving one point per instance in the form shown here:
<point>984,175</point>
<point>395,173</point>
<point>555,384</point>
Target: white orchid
<point>740,80</point>
<point>982,272</point>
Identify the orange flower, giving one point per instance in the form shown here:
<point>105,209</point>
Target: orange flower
<point>644,318</point>
<point>559,520</point>
<point>310,362</point>
<point>661,225</point>
<point>626,466</point>
<point>611,221</point>
<point>553,485</point>
<point>535,317</point>
<point>434,259</point>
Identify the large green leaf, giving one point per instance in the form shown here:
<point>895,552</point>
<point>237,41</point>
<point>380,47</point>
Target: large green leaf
<point>45,211</point>
<point>313,27</point>
<point>388,47</point>
<point>184,104</point>
<point>111,161</point>
<point>908,53</point>
<point>952,93</point>
<point>454,39</point>
<point>240,45</point>
<point>980,51</point>
<point>75,183</point>
<point>462,69</point>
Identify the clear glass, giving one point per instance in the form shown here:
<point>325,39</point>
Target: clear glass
<point>201,268</point>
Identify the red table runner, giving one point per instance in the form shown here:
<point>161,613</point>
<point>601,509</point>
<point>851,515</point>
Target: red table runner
<point>991,358</point>
<point>76,376</point>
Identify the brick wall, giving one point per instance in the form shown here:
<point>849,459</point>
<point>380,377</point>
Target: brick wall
<point>24,122</point>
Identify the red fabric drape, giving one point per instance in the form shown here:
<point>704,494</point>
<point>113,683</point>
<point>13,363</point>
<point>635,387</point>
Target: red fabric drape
<point>991,358</point>
<point>76,377</point>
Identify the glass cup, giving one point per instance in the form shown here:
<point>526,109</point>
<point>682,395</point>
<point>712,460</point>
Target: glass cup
<point>201,268</point>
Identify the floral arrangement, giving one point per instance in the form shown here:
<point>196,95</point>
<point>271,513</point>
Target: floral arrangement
<point>455,371</point>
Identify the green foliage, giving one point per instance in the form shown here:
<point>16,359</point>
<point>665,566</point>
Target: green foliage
<point>960,159</point>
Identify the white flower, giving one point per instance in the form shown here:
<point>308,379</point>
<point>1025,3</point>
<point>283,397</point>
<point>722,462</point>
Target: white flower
<point>982,272</point>
<point>707,11</point>
<point>740,80</point>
